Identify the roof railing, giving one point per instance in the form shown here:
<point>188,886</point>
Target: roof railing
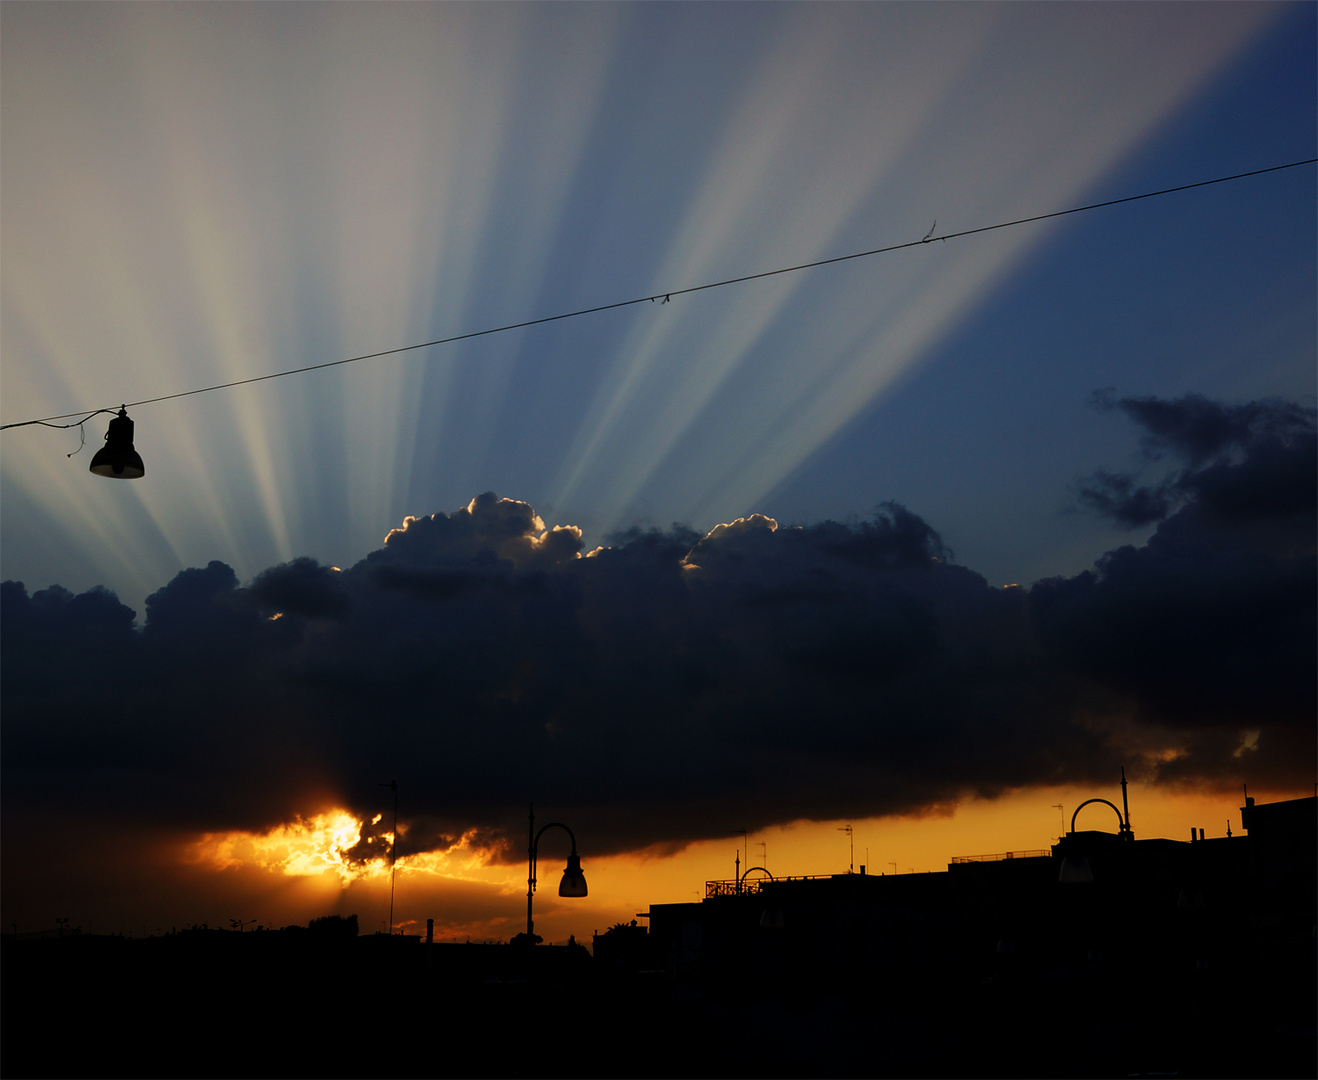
<point>1037,853</point>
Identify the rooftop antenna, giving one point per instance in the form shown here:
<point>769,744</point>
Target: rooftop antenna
<point>745,838</point>
<point>851,866</point>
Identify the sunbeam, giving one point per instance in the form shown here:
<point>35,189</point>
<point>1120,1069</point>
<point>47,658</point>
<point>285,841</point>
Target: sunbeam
<point>228,193</point>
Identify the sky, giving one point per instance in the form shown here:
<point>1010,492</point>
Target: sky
<point>731,560</point>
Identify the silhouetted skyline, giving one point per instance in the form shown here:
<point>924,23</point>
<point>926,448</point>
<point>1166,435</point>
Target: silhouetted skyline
<point>892,537</point>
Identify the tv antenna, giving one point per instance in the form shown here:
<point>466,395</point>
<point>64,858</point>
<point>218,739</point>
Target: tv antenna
<point>851,836</point>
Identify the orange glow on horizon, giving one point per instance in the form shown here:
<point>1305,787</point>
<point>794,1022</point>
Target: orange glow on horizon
<point>471,895</point>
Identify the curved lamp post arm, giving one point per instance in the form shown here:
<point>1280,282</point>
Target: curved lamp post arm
<point>1123,829</point>
<point>742,880</point>
<point>535,845</point>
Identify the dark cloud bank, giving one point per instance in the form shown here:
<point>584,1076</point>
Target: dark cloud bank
<point>671,687</point>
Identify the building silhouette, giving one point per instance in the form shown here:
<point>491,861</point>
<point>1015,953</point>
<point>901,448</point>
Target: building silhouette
<point>1154,957</point>
<point>1105,955</point>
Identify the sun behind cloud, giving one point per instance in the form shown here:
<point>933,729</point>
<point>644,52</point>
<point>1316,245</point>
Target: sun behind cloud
<point>337,844</point>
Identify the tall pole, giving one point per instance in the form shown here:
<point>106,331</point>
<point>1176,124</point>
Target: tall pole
<point>530,876</point>
<point>1125,803</point>
<point>393,853</point>
<point>745,839</point>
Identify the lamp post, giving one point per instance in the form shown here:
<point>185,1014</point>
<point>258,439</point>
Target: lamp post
<point>574,881</point>
<point>770,918</point>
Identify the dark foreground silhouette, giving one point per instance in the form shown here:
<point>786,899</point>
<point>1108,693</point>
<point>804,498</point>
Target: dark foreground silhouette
<point>1162,958</point>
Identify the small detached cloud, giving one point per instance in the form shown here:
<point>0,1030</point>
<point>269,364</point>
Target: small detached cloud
<point>670,686</point>
<point>1234,460</point>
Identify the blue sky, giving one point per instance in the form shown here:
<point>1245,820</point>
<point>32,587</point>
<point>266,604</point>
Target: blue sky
<point>198,193</point>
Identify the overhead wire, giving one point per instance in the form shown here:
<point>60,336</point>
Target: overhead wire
<point>47,421</point>
<point>666,296</point>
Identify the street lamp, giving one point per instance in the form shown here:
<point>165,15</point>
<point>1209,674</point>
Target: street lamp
<point>574,881</point>
<point>1075,868</point>
<point>117,459</point>
<point>770,918</point>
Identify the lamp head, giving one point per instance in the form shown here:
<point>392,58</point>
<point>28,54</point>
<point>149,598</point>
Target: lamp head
<point>574,881</point>
<point>1076,870</point>
<point>117,459</point>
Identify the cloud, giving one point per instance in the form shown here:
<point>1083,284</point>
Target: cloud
<point>302,587</point>
<point>1129,504</point>
<point>1210,626</point>
<point>1197,429</point>
<point>1236,461</point>
<point>671,686</point>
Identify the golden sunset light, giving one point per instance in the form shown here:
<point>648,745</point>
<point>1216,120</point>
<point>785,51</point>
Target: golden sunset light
<point>504,511</point>
<point>302,848</point>
<point>474,893</point>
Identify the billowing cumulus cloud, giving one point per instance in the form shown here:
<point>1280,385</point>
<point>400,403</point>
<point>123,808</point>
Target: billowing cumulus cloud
<point>670,686</point>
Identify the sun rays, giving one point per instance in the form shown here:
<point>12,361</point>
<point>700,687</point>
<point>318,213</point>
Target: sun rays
<point>227,192</point>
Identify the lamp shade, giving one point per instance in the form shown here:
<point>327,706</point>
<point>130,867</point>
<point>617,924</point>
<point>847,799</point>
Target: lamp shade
<point>117,459</point>
<point>574,881</point>
<point>1076,871</point>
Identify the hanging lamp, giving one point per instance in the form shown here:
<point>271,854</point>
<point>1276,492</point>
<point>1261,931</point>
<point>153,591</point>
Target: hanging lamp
<point>117,459</point>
